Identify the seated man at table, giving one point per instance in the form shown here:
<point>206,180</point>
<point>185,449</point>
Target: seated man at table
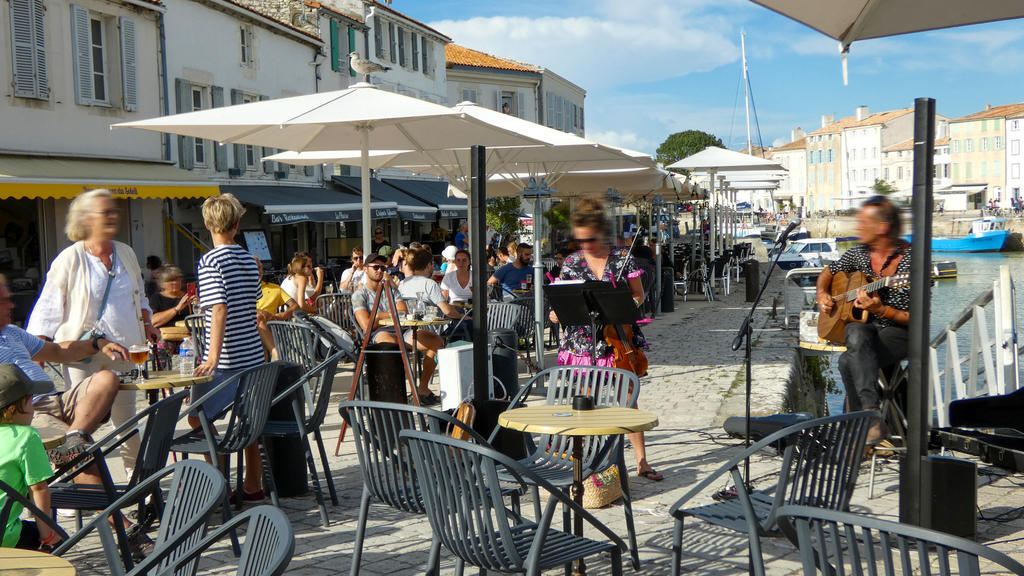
<point>86,405</point>
<point>362,304</point>
<point>511,275</point>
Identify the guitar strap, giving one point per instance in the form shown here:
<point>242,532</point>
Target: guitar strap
<point>897,252</point>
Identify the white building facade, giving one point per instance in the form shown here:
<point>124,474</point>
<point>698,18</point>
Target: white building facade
<point>497,83</point>
<point>1015,156</point>
<point>793,157</point>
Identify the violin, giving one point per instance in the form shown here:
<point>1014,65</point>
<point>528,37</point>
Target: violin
<point>627,356</point>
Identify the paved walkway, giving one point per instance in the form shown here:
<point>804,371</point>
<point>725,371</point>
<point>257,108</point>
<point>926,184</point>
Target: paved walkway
<point>695,382</point>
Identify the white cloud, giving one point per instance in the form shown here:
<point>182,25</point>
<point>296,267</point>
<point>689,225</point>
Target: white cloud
<point>609,43</point>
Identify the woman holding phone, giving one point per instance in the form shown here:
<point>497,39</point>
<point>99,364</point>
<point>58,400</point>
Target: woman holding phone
<point>172,304</point>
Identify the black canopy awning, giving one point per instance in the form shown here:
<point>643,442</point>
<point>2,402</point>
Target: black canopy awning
<point>434,193</point>
<point>408,206</point>
<point>293,204</point>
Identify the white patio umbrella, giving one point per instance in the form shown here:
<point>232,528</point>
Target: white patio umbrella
<point>851,20</point>
<point>360,117</point>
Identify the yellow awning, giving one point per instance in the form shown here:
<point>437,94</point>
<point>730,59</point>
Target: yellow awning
<point>63,177</point>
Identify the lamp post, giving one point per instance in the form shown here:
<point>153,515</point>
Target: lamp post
<point>538,192</point>
<point>657,206</point>
<point>613,199</point>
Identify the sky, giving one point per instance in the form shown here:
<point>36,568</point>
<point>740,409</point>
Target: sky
<point>655,67</point>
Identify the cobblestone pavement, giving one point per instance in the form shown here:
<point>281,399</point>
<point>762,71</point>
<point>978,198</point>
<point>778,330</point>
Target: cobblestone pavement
<point>695,381</point>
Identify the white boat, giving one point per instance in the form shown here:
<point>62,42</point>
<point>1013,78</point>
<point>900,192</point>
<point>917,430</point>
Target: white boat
<point>808,253</point>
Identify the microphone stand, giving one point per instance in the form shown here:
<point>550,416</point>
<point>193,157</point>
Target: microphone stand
<point>745,334</point>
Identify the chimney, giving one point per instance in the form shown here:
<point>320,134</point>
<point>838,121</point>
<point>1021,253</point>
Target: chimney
<point>862,113</point>
<point>988,107</point>
<point>827,119</point>
<point>797,134</point>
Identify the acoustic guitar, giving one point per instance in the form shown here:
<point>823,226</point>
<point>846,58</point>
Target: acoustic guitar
<point>832,326</point>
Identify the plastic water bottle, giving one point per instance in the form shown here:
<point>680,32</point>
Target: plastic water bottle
<point>186,357</point>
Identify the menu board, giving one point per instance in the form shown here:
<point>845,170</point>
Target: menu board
<point>256,244</point>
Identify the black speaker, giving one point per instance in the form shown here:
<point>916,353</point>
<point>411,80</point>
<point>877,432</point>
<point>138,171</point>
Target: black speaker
<point>949,492</point>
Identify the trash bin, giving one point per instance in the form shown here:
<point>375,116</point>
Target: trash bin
<point>503,343</point>
<point>668,289</point>
<point>752,278</point>
<point>385,373</point>
<point>286,456</point>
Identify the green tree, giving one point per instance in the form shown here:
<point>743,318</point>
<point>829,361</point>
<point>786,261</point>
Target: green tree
<point>882,187</point>
<point>503,216</point>
<point>682,144</point>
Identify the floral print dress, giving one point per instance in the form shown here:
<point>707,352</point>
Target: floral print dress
<point>576,341</point>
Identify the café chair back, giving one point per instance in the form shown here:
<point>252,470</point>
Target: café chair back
<point>548,455</point>
<point>845,543</point>
<point>504,315</point>
<point>821,459</point>
<point>295,343</point>
<point>337,307</point>
<point>387,470</point>
<point>194,490</point>
<point>154,448</point>
<point>268,547</point>
<point>309,397</point>
<point>246,417</point>
<point>12,497</point>
<point>461,492</point>
<point>196,325</point>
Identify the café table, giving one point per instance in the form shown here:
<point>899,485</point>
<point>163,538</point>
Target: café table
<point>163,380</point>
<point>561,419</point>
<point>415,325</point>
<point>18,562</point>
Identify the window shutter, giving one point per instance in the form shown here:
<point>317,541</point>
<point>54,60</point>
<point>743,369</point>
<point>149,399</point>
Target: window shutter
<point>414,43</point>
<point>378,37</point>
<point>497,100</point>
<point>425,54</point>
<point>82,54</point>
<point>334,45</point>
<point>351,49</point>
<point>129,88</point>
<point>392,42</point>
<point>307,170</point>
<point>268,167</point>
<point>183,103</point>
<point>28,42</point>
<point>236,98</point>
<point>220,152</point>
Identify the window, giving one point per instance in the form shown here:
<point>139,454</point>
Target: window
<point>811,179</point>
<point>956,146</point>
<point>378,37</point>
<point>28,42</point>
<point>997,143</point>
<point>886,173</point>
<point>401,47</point>
<point>414,43</point>
<point>831,155</point>
<point>425,53</point>
<point>997,168</point>
<point>97,49</point>
<point>831,177</point>
<point>984,169</point>
<point>245,41</point>
<point>820,177</point>
<point>508,103</point>
<point>393,41</point>
<point>95,54</point>
<point>874,151</point>
<point>1015,171</point>
<point>864,173</point>
<point>854,153</point>
<point>969,169</point>
<point>899,172</point>
<point>984,144</point>
<point>969,146</point>
<point>875,173</point>
<point>200,144</point>
<point>1015,148</point>
<point>1015,124</point>
<point>469,95</point>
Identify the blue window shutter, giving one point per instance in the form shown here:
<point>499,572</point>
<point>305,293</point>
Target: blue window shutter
<point>183,103</point>
<point>334,45</point>
<point>129,86</point>
<point>220,152</point>
<point>81,54</point>
<point>351,49</point>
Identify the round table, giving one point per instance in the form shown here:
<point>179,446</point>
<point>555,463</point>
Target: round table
<point>164,380</point>
<point>563,420</point>
<point>18,562</point>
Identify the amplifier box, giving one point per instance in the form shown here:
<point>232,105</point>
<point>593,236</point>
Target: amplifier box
<point>949,496</point>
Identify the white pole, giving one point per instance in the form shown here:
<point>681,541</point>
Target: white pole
<point>364,182</point>
<point>538,281</point>
<point>746,90</point>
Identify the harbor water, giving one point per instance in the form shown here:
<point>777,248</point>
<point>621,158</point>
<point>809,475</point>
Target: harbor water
<point>975,274</point>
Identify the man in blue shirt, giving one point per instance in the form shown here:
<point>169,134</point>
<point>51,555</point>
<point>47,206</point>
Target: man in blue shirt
<point>461,237</point>
<point>511,275</point>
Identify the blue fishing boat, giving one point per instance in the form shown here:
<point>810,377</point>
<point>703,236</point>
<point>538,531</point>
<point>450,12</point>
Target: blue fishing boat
<point>987,235</point>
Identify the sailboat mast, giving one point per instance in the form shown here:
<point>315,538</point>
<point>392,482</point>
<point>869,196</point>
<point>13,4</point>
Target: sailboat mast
<point>746,90</point>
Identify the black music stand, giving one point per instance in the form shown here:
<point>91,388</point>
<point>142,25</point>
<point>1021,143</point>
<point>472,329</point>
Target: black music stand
<point>592,303</point>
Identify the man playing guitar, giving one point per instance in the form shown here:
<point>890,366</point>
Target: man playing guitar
<point>882,340</point>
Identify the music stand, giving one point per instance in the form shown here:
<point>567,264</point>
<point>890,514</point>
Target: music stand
<point>592,303</point>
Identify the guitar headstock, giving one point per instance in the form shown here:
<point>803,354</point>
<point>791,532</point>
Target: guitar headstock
<point>895,281</point>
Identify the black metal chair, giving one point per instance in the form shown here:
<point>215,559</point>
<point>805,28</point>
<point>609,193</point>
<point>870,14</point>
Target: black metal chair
<point>268,547</point>
<point>820,462</point>
<point>388,472</point>
<point>195,489</point>
<point>309,394</point>
<point>848,543</point>
<point>337,307</point>
<point>247,415</point>
<point>296,343</point>
<point>12,497</point>
<point>461,493</point>
<point>548,455</point>
<point>154,448</point>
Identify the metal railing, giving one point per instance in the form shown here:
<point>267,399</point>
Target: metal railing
<point>990,368</point>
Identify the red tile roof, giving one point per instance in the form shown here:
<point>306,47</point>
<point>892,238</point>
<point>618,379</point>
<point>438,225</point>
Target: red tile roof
<point>456,55</point>
<point>796,145</point>
<point>994,112</point>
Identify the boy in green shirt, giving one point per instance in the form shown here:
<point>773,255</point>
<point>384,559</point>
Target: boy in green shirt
<point>24,465</point>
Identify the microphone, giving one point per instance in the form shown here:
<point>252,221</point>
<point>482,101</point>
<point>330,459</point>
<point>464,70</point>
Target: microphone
<point>789,229</point>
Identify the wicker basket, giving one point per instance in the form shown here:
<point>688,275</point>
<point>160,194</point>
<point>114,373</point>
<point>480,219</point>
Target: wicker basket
<point>602,489</point>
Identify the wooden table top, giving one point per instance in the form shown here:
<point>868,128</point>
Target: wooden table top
<point>822,346</point>
<point>416,323</point>
<point>18,562</point>
<point>563,420</point>
<point>50,429</point>
<point>165,379</point>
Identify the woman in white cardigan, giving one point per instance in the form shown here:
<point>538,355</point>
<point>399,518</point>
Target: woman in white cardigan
<point>72,298</point>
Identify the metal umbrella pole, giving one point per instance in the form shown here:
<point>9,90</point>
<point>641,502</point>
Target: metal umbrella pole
<point>538,193</point>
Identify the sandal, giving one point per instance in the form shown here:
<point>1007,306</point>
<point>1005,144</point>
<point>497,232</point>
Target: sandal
<point>430,400</point>
<point>651,474</point>
<point>141,545</point>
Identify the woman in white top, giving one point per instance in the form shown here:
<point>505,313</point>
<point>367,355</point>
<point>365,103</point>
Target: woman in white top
<point>300,283</point>
<point>457,286</point>
<point>71,301</point>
